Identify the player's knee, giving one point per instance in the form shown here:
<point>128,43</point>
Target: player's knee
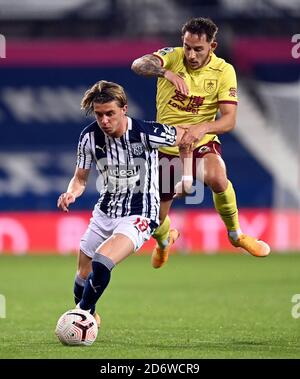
<point>216,184</point>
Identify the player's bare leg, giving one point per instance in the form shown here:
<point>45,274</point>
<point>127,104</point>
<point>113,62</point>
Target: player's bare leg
<point>184,186</point>
<point>165,236</point>
<point>117,248</point>
<point>84,265</point>
<point>225,203</point>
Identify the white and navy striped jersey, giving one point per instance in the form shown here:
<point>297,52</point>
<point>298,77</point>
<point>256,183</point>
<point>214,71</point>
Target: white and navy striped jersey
<point>128,166</point>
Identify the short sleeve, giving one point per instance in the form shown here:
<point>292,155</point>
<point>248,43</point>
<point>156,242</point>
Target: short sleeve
<point>228,86</point>
<point>168,56</point>
<point>84,152</point>
<point>159,134</point>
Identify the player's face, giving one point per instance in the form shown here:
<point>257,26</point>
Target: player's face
<point>111,118</point>
<point>197,50</point>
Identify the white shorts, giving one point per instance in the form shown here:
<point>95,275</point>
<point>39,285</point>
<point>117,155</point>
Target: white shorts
<point>101,227</point>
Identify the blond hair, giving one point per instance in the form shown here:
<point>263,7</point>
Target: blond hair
<point>103,92</point>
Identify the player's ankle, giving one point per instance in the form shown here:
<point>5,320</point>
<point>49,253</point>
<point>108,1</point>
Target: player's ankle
<point>163,244</point>
<point>234,234</point>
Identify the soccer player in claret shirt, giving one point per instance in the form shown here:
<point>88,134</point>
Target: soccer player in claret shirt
<point>193,85</point>
<point>127,212</point>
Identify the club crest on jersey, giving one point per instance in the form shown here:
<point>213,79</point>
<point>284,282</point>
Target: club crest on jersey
<point>210,85</point>
<point>137,148</point>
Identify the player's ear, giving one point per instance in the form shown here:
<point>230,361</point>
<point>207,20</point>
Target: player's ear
<point>125,108</point>
<point>213,45</point>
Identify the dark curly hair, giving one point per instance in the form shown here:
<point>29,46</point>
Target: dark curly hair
<point>201,25</point>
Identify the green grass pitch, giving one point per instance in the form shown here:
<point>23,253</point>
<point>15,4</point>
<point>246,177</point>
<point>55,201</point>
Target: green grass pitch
<point>220,306</point>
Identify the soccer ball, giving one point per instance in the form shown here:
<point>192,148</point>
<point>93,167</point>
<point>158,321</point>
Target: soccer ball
<point>76,327</point>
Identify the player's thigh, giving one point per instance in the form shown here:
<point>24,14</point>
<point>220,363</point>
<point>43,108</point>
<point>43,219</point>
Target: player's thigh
<point>215,170</point>
<point>212,170</point>
<point>170,172</point>
<point>128,236</point>
<point>117,247</point>
<point>90,241</point>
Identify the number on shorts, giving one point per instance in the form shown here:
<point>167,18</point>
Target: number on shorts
<point>142,225</point>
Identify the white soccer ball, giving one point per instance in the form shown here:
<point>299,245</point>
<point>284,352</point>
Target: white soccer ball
<point>76,327</point>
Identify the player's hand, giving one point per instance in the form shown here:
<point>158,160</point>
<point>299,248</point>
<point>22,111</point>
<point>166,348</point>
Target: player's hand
<point>183,188</point>
<point>179,191</point>
<point>192,136</point>
<point>177,81</point>
<point>64,200</point>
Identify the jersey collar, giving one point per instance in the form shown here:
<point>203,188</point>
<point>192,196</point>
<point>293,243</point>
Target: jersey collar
<point>129,123</point>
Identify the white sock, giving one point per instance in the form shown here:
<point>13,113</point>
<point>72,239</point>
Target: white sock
<point>234,234</point>
<point>164,244</point>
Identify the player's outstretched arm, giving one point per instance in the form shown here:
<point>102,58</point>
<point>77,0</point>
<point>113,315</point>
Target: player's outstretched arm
<point>150,65</point>
<point>184,187</point>
<point>75,188</point>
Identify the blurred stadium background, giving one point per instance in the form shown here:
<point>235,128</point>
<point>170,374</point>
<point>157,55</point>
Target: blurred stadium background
<point>224,306</point>
<point>52,51</point>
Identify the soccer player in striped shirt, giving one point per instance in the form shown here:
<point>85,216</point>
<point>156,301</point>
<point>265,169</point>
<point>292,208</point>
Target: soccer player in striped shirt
<point>193,86</point>
<point>125,151</point>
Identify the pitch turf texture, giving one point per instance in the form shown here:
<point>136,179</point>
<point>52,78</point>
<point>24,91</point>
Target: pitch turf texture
<point>221,306</point>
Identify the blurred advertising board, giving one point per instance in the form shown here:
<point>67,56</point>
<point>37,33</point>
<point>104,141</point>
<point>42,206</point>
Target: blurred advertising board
<point>201,231</point>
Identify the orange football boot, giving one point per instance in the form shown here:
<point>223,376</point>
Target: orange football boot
<point>253,246</point>
<point>97,318</point>
<point>160,256</point>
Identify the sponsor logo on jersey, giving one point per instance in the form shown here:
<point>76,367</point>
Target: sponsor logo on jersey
<point>232,92</point>
<point>123,172</point>
<point>122,177</point>
<point>186,103</point>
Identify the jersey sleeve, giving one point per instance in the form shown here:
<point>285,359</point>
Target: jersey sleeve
<point>84,152</point>
<point>228,86</point>
<point>168,56</point>
<point>159,134</point>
